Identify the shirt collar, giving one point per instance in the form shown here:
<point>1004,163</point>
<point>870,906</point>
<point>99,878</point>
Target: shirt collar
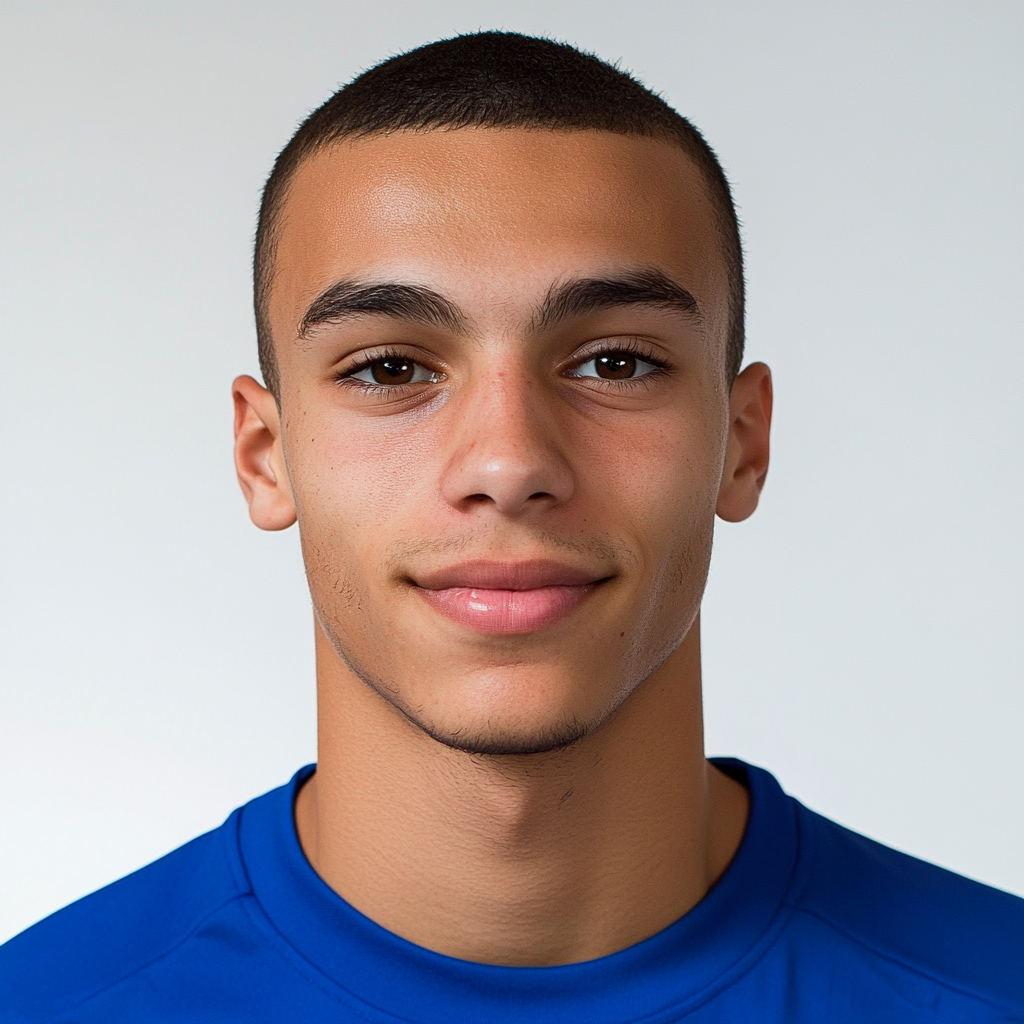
<point>678,967</point>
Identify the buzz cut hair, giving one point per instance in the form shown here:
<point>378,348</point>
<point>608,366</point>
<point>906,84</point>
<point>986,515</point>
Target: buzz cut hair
<point>493,80</point>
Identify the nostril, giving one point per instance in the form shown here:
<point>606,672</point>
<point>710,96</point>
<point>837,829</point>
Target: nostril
<point>539,494</point>
<point>478,498</point>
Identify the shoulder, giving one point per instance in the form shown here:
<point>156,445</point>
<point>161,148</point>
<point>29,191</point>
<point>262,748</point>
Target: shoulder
<point>945,928</point>
<point>119,930</point>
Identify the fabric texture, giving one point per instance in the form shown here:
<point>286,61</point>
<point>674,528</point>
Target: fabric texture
<point>810,923</point>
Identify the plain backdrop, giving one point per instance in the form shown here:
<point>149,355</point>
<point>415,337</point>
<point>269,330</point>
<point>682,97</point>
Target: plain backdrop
<point>862,632</point>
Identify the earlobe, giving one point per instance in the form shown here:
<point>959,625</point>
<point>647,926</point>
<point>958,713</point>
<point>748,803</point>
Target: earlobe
<point>746,460</point>
<point>259,456</point>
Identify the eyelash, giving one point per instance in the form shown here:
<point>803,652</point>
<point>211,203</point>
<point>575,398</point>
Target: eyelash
<point>345,379</point>
<point>627,346</point>
<point>632,348</point>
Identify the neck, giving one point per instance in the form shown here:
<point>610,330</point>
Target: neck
<point>533,860</point>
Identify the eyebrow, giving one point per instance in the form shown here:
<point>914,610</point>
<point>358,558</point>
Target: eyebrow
<point>643,287</point>
<point>349,299</point>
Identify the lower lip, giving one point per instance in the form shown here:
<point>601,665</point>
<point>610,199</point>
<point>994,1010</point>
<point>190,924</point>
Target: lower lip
<point>508,611</point>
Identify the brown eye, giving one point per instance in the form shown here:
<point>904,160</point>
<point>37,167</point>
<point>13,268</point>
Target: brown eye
<point>616,366</point>
<point>392,371</point>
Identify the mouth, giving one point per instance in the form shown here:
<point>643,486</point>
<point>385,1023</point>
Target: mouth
<point>508,597</point>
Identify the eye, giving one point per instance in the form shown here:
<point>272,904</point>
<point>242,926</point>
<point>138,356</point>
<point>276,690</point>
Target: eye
<point>393,371</point>
<point>616,365</point>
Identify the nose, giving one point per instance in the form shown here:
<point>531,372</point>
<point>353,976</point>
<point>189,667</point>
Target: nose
<point>506,452</point>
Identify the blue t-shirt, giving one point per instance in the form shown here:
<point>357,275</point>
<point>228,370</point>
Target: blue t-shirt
<point>810,923</point>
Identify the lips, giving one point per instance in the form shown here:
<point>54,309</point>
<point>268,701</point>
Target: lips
<point>507,597</point>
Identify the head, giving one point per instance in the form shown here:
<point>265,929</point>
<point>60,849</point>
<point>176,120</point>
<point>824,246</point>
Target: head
<point>499,299</point>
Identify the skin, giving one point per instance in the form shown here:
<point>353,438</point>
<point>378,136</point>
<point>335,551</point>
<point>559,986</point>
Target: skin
<point>535,797</point>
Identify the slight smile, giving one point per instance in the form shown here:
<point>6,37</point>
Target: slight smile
<point>508,597</point>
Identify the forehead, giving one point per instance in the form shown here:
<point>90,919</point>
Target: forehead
<point>494,217</point>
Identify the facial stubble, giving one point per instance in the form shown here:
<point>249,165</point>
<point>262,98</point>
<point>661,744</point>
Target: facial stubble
<point>690,566</point>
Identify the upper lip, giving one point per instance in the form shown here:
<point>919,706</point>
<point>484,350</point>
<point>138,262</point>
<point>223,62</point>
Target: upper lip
<point>496,575</point>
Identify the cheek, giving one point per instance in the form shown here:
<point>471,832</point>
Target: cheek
<point>657,477</point>
<point>354,481</point>
<point>660,490</point>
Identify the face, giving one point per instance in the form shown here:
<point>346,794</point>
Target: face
<point>504,420</point>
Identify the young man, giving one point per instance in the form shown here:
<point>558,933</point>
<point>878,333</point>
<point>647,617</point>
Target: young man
<point>499,300</point>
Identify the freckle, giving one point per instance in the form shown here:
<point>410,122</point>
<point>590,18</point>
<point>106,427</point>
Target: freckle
<point>622,634</point>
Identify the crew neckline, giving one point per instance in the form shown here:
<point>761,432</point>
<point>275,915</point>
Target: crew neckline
<point>674,970</point>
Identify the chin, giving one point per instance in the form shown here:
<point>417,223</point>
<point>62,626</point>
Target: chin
<point>527,707</point>
<point>512,714</point>
<point>498,742</point>
<point>501,712</point>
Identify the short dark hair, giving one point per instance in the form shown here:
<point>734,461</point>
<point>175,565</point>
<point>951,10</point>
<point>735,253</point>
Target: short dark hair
<point>492,80</point>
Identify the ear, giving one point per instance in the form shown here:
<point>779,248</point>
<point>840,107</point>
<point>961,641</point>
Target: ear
<point>259,456</point>
<point>746,458</point>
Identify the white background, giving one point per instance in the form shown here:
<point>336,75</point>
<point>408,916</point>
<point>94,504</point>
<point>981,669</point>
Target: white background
<point>863,634</point>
